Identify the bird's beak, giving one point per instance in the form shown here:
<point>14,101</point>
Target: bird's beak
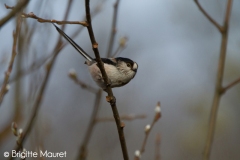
<point>135,67</point>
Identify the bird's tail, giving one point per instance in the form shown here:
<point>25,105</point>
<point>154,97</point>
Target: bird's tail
<point>75,45</point>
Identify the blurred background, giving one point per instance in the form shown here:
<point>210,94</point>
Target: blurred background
<point>177,50</point>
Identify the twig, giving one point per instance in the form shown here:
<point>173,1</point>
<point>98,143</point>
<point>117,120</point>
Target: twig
<point>230,85</point>
<point>218,88</point>
<point>110,98</point>
<point>219,27</point>
<point>121,47</point>
<point>5,86</point>
<point>34,66</point>
<point>157,147</point>
<point>17,133</point>
<point>123,117</point>
<point>41,20</point>
<point>113,29</point>
<point>72,74</point>
<point>16,9</point>
<point>148,129</point>
<point>40,95</point>
<point>83,149</point>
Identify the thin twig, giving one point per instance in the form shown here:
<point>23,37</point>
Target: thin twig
<point>113,29</point>
<point>21,4</point>
<point>230,85</point>
<point>123,117</point>
<point>4,87</point>
<point>219,27</point>
<point>41,20</point>
<point>36,65</point>
<point>110,98</point>
<point>40,95</point>
<point>83,149</point>
<point>219,79</point>
<point>148,129</point>
<point>121,46</point>
<point>73,75</point>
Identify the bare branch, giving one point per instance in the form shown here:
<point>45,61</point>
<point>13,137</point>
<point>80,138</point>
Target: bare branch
<point>114,28</point>
<point>208,16</point>
<point>5,87</point>
<point>40,95</point>
<point>148,129</point>
<point>232,84</point>
<point>83,149</point>
<point>218,88</point>
<point>121,47</point>
<point>123,117</point>
<point>72,74</point>
<point>41,20</point>
<point>17,8</point>
<point>110,98</point>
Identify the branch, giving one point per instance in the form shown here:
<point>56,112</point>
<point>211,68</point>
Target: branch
<point>209,17</point>
<point>218,88</point>
<point>72,74</point>
<point>123,117</point>
<point>230,85</point>
<point>16,9</point>
<point>148,129</point>
<point>114,28</point>
<point>40,95</point>
<point>83,149</point>
<point>41,20</point>
<point>5,86</point>
<point>121,47</point>
<point>110,98</point>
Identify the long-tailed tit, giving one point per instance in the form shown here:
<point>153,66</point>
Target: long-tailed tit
<point>119,70</point>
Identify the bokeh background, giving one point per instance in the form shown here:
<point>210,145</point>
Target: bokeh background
<point>177,50</point>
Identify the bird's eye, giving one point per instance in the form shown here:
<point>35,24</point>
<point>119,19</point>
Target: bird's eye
<point>128,64</point>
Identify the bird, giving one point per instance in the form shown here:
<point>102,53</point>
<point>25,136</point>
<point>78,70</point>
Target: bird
<point>120,70</point>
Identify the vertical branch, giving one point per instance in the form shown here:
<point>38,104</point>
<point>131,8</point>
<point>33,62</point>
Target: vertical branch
<point>110,98</point>
<point>113,29</point>
<point>218,88</point>
<point>40,95</point>
<point>5,87</point>
<point>83,149</point>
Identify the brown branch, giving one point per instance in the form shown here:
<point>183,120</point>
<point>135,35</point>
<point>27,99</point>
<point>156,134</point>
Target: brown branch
<point>219,27</point>
<point>121,47</point>
<point>148,129</point>
<point>41,20</point>
<point>4,87</point>
<point>232,84</point>
<point>72,74</point>
<point>110,98</point>
<point>21,4</point>
<point>113,29</point>
<point>218,87</point>
<point>83,149</point>
<point>36,65</point>
<point>123,117</point>
<point>40,95</point>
